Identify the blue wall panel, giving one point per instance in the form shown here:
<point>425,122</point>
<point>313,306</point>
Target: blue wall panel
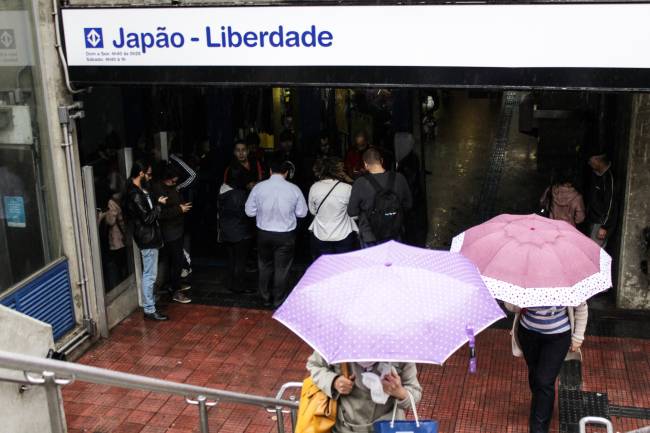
<point>48,298</point>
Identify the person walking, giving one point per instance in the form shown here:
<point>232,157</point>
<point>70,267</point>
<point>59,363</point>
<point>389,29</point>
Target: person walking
<point>368,394</point>
<point>602,213</point>
<point>276,204</point>
<point>333,230</point>
<point>171,219</point>
<point>142,218</point>
<point>380,200</point>
<point>563,201</point>
<point>545,337</point>
<point>236,229</point>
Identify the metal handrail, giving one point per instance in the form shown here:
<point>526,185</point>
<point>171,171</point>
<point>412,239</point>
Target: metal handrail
<point>595,420</point>
<point>55,374</point>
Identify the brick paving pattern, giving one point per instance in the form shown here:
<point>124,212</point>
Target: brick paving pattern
<point>246,351</point>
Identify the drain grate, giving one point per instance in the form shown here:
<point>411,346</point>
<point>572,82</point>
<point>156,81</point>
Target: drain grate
<point>571,375</point>
<point>575,404</point>
<point>629,412</point>
<point>485,208</point>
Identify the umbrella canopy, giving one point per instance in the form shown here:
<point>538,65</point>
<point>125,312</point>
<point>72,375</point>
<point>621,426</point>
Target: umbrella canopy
<point>532,261</point>
<point>391,303</point>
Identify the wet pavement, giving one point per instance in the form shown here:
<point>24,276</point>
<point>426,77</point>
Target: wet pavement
<point>245,350</point>
<point>479,165</point>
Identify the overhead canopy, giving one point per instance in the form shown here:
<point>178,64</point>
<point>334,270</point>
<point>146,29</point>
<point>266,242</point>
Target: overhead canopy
<point>535,45</point>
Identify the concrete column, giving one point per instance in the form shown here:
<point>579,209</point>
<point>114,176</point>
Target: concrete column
<point>634,288</point>
<point>51,94</point>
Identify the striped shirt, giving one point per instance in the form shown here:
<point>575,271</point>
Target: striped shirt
<point>546,320</point>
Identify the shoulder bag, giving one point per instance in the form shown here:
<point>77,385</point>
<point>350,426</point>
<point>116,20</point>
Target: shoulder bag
<point>316,411</point>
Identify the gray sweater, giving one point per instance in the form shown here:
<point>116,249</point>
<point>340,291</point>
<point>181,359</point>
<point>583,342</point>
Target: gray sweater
<point>362,199</point>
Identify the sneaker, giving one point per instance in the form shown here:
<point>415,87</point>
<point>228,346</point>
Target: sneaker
<point>181,298</point>
<point>186,272</point>
<point>184,287</point>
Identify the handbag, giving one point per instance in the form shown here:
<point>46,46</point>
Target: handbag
<point>406,426</point>
<point>316,411</point>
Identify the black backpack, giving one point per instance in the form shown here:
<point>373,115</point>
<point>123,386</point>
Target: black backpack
<point>386,217</point>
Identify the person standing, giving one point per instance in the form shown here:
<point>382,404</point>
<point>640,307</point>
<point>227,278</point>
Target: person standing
<point>354,158</point>
<point>243,167</point>
<point>113,220</point>
<point>380,200</point>
<point>545,337</point>
<point>172,226</point>
<point>602,213</point>
<point>142,217</point>
<point>236,229</point>
<point>276,204</point>
<point>333,230</point>
<point>564,202</point>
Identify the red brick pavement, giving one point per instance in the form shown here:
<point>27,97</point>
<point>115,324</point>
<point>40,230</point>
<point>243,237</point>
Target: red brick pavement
<point>247,351</point>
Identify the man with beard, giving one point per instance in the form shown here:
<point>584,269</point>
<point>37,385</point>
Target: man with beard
<point>142,217</point>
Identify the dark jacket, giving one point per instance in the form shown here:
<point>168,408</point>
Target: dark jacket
<point>142,218</point>
<point>603,209</point>
<point>362,200</point>
<point>171,216</point>
<point>234,224</point>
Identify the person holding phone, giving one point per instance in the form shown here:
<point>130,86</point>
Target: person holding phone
<point>172,227</point>
<point>143,212</point>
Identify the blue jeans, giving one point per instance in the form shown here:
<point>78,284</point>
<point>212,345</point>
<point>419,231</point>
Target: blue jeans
<point>149,272</point>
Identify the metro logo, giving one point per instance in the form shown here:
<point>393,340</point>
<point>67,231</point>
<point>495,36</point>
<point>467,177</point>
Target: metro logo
<point>93,37</point>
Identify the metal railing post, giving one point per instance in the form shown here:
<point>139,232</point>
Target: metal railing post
<point>294,416</point>
<point>280,417</point>
<point>203,404</point>
<point>53,402</point>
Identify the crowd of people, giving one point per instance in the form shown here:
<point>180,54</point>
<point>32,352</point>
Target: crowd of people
<point>354,202</point>
<point>262,204</point>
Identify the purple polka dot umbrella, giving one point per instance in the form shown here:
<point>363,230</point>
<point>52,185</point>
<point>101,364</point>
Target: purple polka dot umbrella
<point>532,261</point>
<point>391,303</point>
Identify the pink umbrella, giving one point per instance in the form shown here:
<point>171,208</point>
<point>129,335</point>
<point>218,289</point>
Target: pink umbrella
<point>532,261</point>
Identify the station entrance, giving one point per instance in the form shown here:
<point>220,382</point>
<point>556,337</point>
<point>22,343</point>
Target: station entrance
<point>475,153</point>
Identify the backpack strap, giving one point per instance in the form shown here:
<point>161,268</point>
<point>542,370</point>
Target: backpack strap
<point>390,186</point>
<point>373,182</point>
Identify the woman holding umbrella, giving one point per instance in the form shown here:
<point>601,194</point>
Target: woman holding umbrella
<point>530,262</point>
<point>545,337</point>
<point>369,394</point>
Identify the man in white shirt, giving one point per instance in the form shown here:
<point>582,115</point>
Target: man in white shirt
<point>276,204</point>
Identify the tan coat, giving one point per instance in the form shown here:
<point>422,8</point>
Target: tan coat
<point>357,412</point>
<point>577,317</point>
<point>115,222</point>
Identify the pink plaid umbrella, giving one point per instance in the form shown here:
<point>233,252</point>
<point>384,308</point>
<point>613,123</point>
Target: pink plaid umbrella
<point>532,261</point>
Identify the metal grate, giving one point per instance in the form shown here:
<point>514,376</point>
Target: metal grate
<point>485,207</point>
<point>575,404</point>
<point>629,412</point>
<point>48,298</point>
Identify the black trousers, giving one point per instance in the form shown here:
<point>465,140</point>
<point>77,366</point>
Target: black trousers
<point>318,247</point>
<point>173,250</point>
<point>237,255</point>
<point>544,354</point>
<point>275,252</point>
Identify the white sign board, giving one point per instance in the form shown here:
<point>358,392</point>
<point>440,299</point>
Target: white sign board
<point>15,39</point>
<point>549,35</point>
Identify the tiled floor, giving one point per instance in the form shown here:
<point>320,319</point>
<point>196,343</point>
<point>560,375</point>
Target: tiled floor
<point>246,351</point>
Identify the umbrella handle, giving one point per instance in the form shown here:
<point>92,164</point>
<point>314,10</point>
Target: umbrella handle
<point>345,370</point>
<point>472,349</point>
